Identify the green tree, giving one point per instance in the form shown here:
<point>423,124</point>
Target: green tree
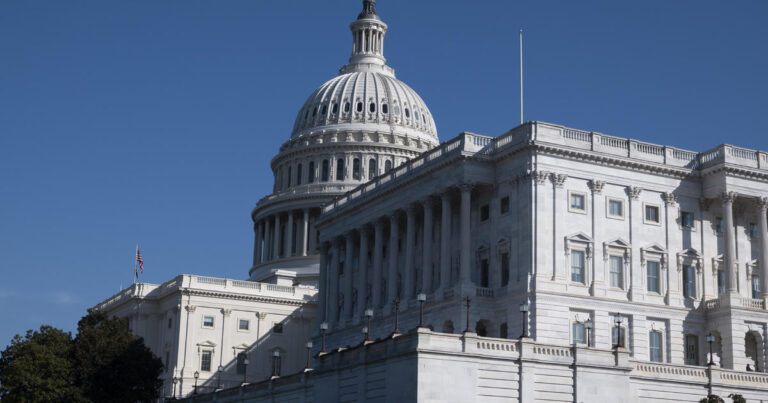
<point>113,364</point>
<point>37,368</point>
<point>737,398</point>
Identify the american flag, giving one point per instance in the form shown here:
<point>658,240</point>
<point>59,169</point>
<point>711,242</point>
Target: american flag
<point>140,261</point>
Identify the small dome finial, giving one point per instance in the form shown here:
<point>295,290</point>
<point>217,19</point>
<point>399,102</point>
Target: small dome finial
<point>369,10</point>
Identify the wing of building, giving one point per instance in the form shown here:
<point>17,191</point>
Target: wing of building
<point>543,264</point>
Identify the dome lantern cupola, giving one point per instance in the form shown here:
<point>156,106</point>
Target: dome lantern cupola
<point>367,41</point>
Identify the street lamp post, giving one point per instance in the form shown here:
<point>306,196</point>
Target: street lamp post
<point>323,329</point>
<point>397,316</point>
<point>468,300</point>
<point>309,353</point>
<point>524,310</point>
<point>588,326</point>
<point>175,380</point>
<point>710,340</point>
<point>197,375</point>
<point>422,298</point>
<point>276,363</point>
<point>368,316</point>
<point>221,369</point>
<point>246,361</point>
<point>619,339</point>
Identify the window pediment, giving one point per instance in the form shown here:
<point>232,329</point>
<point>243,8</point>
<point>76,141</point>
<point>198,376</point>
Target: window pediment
<point>652,251</point>
<point>579,240</point>
<point>206,343</point>
<point>689,255</point>
<point>617,244</point>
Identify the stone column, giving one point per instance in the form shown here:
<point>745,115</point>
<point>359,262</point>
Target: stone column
<point>445,242</point>
<point>289,231</point>
<point>257,243</point>
<point>762,203</point>
<point>311,234</point>
<point>632,267</point>
<point>362,273</point>
<point>348,273</point>
<point>670,272</point>
<point>426,265</point>
<point>596,277</point>
<point>323,285</point>
<point>333,284</point>
<point>466,233</point>
<point>267,240</point>
<point>277,239</point>
<point>729,238</point>
<point>304,232</point>
<point>561,207</point>
<point>409,277</point>
<point>378,245</point>
<point>394,229</point>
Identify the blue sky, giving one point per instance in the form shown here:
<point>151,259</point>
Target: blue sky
<point>154,121</point>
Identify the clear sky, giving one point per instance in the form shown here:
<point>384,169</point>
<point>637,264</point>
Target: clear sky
<point>155,121</point>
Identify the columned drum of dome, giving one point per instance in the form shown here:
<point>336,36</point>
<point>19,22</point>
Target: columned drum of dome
<point>351,129</point>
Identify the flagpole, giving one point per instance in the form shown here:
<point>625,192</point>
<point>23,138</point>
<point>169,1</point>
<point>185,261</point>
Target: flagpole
<point>135,274</point>
<point>521,76</point>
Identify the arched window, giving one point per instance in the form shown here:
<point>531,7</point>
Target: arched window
<point>356,169</point>
<point>387,165</point>
<point>416,114</point>
<point>397,110</point>
<point>384,108</point>
<point>289,176</point>
<point>324,110</point>
<point>335,108</point>
<point>346,107</point>
<point>481,328</point>
<point>241,363</point>
<point>372,107</point>
<point>324,176</point>
<point>340,169</point>
<point>298,175</point>
<point>407,113</point>
<point>359,106</point>
<point>311,173</point>
<point>371,169</point>
<point>314,112</point>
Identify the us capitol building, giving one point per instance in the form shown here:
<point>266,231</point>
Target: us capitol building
<point>543,264</point>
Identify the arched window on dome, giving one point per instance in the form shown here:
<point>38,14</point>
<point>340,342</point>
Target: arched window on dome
<point>306,114</point>
<point>424,118</point>
<point>372,168</point>
<point>359,106</point>
<point>289,176</point>
<point>346,107</point>
<point>311,173</point>
<point>416,114</point>
<point>298,175</point>
<point>356,169</point>
<point>324,110</point>
<point>326,168</point>
<point>387,165</point>
<point>397,110</point>
<point>372,107</point>
<point>407,113</point>
<point>314,112</point>
<point>340,169</point>
<point>335,108</point>
<point>384,109</point>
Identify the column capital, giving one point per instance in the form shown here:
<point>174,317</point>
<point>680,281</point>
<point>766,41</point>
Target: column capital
<point>558,180</point>
<point>727,197</point>
<point>364,228</point>
<point>411,209</point>
<point>704,203</point>
<point>446,195</point>
<point>466,186</point>
<point>394,215</point>
<point>378,223</point>
<point>669,199</point>
<point>762,202</point>
<point>428,201</point>
<point>226,312</point>
<point>540,176</point>
<point>633,192</point>
<point>596,186</point>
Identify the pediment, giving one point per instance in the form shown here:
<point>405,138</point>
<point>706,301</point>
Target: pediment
<point>206,343</point>
<point>654,248</point>
<point>241,346</point>
<point>618,243</point>
<point>690,253</point>
<point>579,237</point>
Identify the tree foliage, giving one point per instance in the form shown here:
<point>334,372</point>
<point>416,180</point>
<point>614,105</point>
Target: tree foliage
<point>103,363</point>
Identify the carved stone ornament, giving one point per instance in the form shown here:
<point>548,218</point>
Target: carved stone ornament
<point>705,203</point>
<point>226,312</point>
<point>540,177</point>
<point>762,202</point>
<point>596,186</point>
<point>190,308</point>
<point>669,199</point>
<point>558,179</point>
<point>633,192</point>
<point>727,197</point>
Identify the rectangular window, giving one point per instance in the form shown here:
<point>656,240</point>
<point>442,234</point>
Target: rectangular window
<point>485,212</point>
<point>686,219</point>
<point>755,286</point>
<point>615,208</point>
<point>276,364</point>
<point>311,173</point>
<point>240,363</point>
<point>691,349</point>
<point>719,225</point>
<point>504,269</point>
<point>720,282</point>
<point>170,323</point>
<point>278,328</point>
<point>503,330</point>
<point>578,202</point>
<point>484,273</point>
<point>618,336</point>
<point>244,324</point>
<point>298,174</point>
<point>652,214</point>
<point>752,230</point>
<point>579,333</point>
<point>689,282</point>
<point>504,206</point>
<point>617,271</point>
<point>356,169</point>
<point>207,321</point>
<point>654,339</point>
<point>577,266</point>
<point>653,277</point>
<point>205,361</point>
